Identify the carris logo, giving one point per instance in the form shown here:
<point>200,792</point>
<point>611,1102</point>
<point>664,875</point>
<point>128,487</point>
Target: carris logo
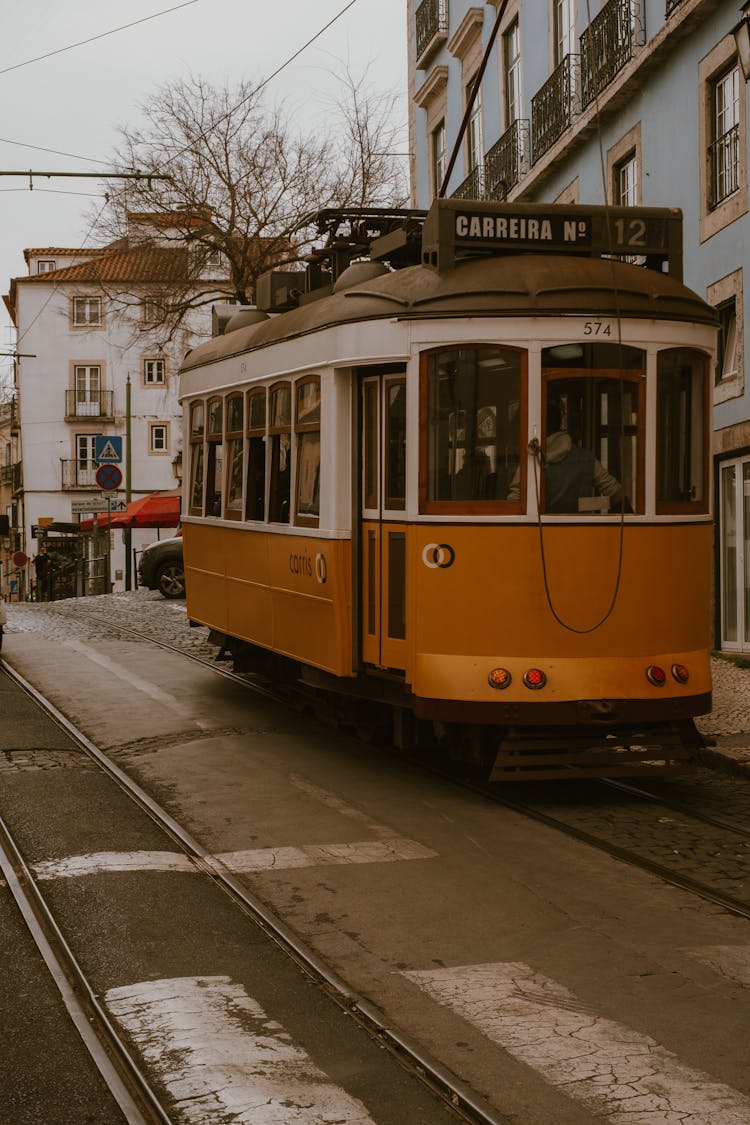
<point>306,566</point>
<point>438,556</point>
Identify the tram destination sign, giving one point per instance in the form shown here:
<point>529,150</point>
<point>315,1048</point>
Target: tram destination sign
<point>459,228</point>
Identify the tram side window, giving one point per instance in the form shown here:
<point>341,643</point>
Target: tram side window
<point>235,456</point>
<point>307,435</point>
<point>681,454</point>
<point>214,457</point>
<point>255,492</point>
<point>474,414</point>
<point>395,444</point>
<point>280,434</point>
<point>197,431</point>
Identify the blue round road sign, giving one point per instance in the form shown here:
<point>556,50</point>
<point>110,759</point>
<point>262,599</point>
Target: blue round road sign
<point>108,476</point>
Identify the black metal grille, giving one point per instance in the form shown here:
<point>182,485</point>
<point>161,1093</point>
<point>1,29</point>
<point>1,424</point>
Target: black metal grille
<point>505,163</point>
<point>431,19</point>
<point>606,46</point>
<point>724,155</point>
<point>671,5</point>
<point>552,107</point>
<point>473,185</point>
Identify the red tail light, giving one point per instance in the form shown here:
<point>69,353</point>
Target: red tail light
<point>499,678</point>
<point>534,679</point>
<point>656,675</point>
<point>680,673</point>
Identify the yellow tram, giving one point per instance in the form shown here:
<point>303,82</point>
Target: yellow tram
<point>456,473</point>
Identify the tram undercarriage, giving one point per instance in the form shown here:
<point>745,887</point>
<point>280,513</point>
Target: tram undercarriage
<point>584,738</point>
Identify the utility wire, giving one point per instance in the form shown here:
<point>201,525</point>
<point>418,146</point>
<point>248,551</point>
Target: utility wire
<point>54,151</point>
<point>93,38</point>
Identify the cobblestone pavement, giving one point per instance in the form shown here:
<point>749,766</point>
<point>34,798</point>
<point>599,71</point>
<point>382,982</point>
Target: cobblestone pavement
<point>727,728</point>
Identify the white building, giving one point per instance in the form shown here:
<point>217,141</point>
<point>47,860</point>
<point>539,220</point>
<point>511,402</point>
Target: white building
<point>87,330</point>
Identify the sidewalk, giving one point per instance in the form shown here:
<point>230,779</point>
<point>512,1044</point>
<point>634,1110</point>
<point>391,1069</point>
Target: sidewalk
<point>726,730</point>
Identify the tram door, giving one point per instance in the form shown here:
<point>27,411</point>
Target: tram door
<point>382,526</point>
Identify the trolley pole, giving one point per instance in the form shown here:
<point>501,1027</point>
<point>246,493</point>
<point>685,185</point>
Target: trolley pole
<point>128,468</point>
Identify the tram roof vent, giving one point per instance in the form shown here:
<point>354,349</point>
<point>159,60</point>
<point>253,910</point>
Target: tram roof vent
<point>358,272</point>
<point>243,318</point>
<point>221,315</point>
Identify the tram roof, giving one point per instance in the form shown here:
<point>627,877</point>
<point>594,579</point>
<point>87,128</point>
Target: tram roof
<point>510,285</point>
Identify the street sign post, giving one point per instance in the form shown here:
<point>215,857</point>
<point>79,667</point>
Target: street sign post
<point>108,476</point>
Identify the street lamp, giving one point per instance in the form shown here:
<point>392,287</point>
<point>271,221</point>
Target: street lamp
<point>741,33</point>
<point>177,461</point>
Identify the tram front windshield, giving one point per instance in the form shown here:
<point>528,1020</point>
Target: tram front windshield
<point>592,422</point>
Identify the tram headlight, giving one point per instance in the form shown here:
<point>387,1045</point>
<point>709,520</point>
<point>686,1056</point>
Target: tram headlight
<point>534,678</point>
<point>656,675</point>
<point>680,673</point>
<point>499,678</point>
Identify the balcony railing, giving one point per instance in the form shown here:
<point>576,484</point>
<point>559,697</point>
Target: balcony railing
<point>80,473</point>
<point>17,476</point>
<point>431,20</point>
<point>507,161</point>
<point>724,155</point>
<point>671,5</point>
<point>473,185</point>
<point>607,45</point>
<point>88,404</point>
<point>553,106</point>
<point>6,474</point>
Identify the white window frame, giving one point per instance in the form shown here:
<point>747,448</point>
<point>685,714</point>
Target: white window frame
<point>154,371</point>
<point>154,446</point>
<point>564,24</point>
<point>512,84</point>
<point>712,69</point>
<point>731,381</point>
<point>46,265</point>
<point>87,312</point>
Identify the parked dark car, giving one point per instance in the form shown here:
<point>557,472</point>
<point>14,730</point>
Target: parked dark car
<point>160,567</point>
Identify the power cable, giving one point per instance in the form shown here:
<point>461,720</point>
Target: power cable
<point>94,38</point>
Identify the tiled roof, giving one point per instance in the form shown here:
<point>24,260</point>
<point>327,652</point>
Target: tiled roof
<point>145,263</point>
<point>56,251</point>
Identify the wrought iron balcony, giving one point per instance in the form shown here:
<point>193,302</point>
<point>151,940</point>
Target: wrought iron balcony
<point>431,20</point>
<point>724,155</point>
<point>80,473</point>
<point>473,185</point>
<point>553,106</point>
<point>17,476</point>
<point>671,5</point>
<point>88,404</point>
<point>6,474</point>
<point>607,45</point>
<point>507,161</point>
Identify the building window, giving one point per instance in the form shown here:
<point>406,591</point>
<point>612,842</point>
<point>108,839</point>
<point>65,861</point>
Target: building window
<point>154,372</point>
<point>158,438</point>
<point>46,265</point>
<point>625,185</point>
<point>726,359</point>
<point>85,465</point>
<point>439,157</point>
<point>564,29</point>
<point>725,146</point>
<point>152,310</point>
<point>474,131</point>
<point>512,67</point>
<point>87,311</point>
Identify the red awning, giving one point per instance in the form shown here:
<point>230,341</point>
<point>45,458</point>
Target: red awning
<point>158,509</point>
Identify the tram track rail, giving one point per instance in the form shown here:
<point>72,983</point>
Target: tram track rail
<point>529,807</point>
<point>128,1081</point>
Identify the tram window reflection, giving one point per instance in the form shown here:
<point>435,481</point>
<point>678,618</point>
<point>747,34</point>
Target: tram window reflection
<point>474,400</point>
<point>235,457</point>
<point>255,487</point>
<point>681,430</point>
<point>281,453</point>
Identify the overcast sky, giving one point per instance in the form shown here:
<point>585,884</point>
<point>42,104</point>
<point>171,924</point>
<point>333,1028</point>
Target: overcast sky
<point>73,101</point>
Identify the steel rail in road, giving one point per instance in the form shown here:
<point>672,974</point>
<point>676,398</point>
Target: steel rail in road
<point>127,1083</point>
<point>456,1094</point>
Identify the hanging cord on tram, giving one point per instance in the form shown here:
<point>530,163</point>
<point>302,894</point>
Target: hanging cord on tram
<point>534,446</point>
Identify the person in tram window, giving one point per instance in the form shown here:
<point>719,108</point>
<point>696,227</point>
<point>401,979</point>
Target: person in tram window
<point>572,473</point>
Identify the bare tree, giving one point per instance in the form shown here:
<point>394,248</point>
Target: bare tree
<point>241,188</point>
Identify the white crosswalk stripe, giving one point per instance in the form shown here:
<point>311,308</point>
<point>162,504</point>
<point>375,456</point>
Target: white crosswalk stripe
<point>619,1074</point>
<point>222,1058</point>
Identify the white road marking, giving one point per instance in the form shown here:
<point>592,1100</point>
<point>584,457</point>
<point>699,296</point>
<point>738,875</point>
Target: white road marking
<point>730,960</point>
<point>255,859</point>
<point>619,1074</point>
<point>222,1058</point>
<point>69,867</point>
<point>325,855</point>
